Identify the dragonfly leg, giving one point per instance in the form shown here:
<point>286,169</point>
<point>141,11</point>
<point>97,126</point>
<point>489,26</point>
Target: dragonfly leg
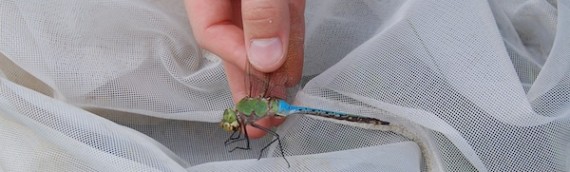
<point>233,141</point>
<point>278,139</point>
<point>232,138</point>
<point>246,138</point>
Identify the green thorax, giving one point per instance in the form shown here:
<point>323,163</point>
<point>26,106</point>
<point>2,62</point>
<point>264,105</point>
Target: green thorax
<point>258,106</point>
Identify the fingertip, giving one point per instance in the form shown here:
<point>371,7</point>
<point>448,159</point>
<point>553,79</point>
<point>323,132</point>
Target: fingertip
<point>238,95</point>
<point>256,133</point>
<point>276,121</point>
<point>266,32</point>
<point>234,76</point>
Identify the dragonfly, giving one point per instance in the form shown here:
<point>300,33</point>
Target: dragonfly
<point>251,108</point>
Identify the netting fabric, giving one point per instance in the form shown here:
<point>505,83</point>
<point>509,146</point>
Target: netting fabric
<point>122,86</point>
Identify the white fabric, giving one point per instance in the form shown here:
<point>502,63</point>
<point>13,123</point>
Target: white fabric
<point>122,86</point>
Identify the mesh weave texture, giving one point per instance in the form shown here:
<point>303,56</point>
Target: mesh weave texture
<point>122,86</point>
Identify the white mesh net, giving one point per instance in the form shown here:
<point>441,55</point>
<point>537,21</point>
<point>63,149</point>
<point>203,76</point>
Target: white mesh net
<point>122,86</point>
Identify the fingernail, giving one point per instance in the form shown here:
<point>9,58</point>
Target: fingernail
<point>263,53</point>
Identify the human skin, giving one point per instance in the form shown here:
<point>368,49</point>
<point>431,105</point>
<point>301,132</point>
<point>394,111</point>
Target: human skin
<point>269,34</point>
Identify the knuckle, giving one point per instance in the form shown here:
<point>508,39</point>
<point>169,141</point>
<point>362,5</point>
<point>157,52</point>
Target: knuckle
<point>260,11</point>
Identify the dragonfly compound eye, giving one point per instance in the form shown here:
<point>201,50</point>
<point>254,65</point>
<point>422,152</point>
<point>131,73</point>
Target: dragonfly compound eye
<point>234,126</point>
<point>226,126</point>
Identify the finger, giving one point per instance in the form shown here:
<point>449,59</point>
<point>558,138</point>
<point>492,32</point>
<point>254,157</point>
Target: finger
<point>216,27</point>
<point>266,32</point>
<point>235,77</point>
<point>292,67</point>
<point>290,73</point>
<point>276,121</point>
<point>255,133</point>
<point>266,122</point>
<point>295,52</point>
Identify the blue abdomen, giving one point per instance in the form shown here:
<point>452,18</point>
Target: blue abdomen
<point>286,109</point>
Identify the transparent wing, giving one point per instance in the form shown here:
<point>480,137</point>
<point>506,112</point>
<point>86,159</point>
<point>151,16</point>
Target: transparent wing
<point>256,82</point>
<point>259,84</point>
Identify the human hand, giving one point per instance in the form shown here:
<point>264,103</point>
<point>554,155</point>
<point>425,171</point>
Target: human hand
<point>270,33</point>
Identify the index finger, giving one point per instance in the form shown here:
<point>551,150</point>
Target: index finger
<point>216,25</point>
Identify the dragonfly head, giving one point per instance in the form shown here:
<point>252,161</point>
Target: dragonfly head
<point>230,121</point>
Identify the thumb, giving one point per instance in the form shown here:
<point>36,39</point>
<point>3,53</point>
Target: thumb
<point>266,32</point>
